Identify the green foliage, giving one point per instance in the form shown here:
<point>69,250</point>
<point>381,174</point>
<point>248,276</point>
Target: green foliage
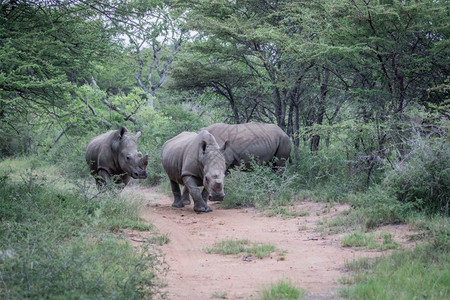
<point>282,290</point>
<point>57,243</point>
<point>435,229</point>
<point>261,187</point>
<point>423,179</point>
<point>378,206</point>
<point>46,50</point>
<point>410,274</point>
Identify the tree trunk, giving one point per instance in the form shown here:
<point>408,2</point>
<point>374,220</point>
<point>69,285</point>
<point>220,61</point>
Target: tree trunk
<point>315,140</point>
<point>296,136</point>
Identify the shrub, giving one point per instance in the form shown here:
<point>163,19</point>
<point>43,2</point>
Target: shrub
<point>423,179</point>
<point>260,187</point>
<point>56,243</point>
<point>378,206</point>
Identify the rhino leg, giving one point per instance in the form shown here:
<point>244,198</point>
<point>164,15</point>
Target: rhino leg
<point>205,195</point>
<point>185,199</point>
<point>102,178</point>
<point>177,202</point>
<point>199,203</point>
<point>126,179</point>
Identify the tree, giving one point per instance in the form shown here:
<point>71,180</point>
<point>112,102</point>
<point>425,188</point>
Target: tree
<point>47,49</point>
<point>154,35</point>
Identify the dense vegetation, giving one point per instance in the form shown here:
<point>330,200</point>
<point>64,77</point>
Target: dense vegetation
<point>361,87</point>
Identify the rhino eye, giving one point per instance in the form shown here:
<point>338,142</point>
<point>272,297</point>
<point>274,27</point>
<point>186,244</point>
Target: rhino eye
<point>128,157</point>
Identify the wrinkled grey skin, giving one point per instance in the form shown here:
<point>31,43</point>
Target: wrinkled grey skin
<point>193,160</point>
<point>114,155</point>
<point>259,140</point>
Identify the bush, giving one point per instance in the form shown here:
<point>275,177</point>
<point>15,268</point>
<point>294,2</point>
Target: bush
<point>56,243</point>
<point>260,187</point>
<point>379,206</point>
<point>423,179</point>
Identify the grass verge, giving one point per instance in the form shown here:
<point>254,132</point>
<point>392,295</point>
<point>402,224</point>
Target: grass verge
<point>419,273</point>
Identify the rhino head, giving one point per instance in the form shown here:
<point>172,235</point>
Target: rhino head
<point>214,168</point>
<point>130,160</point>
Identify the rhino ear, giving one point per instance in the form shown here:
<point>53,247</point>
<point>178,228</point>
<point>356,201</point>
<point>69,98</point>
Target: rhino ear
<point>122,130</point>
<point>225,146</point>
<point>202,149</point>
<point>117,138</point>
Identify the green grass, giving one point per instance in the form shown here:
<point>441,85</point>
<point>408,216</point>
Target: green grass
<point>387,242</point>
<point>219,295</point>
<point>421,273</point>
<point>234,247</point>
<point>283,290</point>
<point>61,241</point>
<point>160,239</point>
<point>383,241</point>
<point>285,213</point>
<point>359,240</point>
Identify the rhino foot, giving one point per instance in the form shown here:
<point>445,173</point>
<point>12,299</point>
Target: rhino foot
<point>203,209</point>
<point>186,201</point>
<point>178,204</point>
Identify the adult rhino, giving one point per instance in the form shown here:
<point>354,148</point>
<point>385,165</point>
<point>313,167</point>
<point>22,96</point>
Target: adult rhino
<point>259,140</point>
<point>193,160</point>
<point>113,155</point>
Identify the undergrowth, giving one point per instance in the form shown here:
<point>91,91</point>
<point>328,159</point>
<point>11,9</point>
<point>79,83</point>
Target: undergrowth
<point>422,273</point>
<point>59,244</point>
<point>261,188</point>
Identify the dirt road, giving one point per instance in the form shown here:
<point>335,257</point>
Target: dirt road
<point>305,257</point>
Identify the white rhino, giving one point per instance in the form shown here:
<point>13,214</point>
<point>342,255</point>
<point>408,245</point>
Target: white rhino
<point>259,140</point>
<point>193,160</point>
<point>114,155</point>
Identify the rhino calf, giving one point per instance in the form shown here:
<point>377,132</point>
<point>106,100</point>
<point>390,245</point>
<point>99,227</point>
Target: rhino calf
<point>259,140</point>
<point>193,160</point>
<point>114,156</point>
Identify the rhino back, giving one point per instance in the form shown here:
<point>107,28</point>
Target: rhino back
<point>249,139</point>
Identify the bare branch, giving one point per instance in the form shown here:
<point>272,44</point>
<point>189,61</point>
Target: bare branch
<point>127,117</point>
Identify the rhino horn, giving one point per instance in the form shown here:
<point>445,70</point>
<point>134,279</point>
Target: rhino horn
<point>144,160</point>
<point>138,134</point>
<point>219,183</point>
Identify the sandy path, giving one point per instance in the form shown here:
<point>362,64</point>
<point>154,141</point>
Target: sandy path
<point>311,261</point>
